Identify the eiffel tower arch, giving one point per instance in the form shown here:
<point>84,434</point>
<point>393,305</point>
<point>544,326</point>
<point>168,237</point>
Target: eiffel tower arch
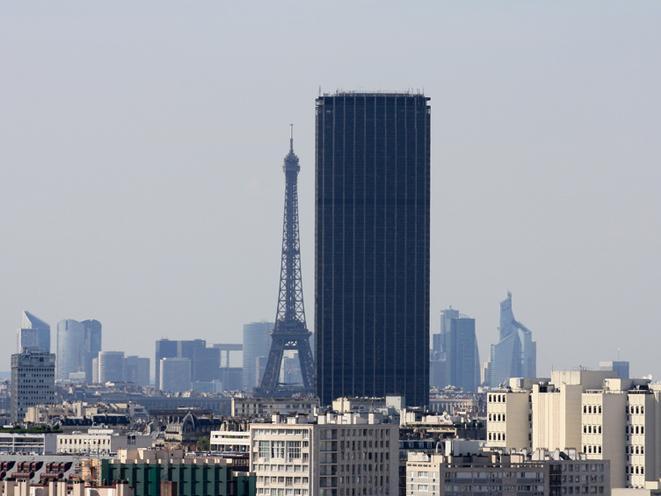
<point>290,331</point>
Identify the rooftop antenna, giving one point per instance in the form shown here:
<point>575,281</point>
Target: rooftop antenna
<point>291,137</point>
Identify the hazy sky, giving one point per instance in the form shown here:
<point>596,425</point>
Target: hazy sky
<point>141,145</point>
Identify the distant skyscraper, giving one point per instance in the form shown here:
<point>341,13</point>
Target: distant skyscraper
<point>205,361</point>
<point>372,245</point>
<point>78,343</point>
<point>34,334</point>
<point>136,370</point>
<point>93,339</point>
<point>175,374</point>
<point>111,366</point>
<point>32,381</point>
<point>459,350</point>
<point>256,343</point>
<point>165,348</point>
<point>620,367</point>
<point>515,355</point>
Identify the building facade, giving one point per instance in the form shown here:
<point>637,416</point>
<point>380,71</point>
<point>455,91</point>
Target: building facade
<point>590,411</point>
<point>111,366</point>
<point>372,245</point>
<point>256,344</point>
<point>136,370</point>
<point>33,335</point>
<point>188,477</point>
<point>100,442</point>
<point>28,443</point>
<point>78,343</point>
<point>175,374</point>
<point>205,361</point>
<point>333,455</point>
<point>32,382</point>
<point>496,474</point>
<point>458,352</point>
<point>248,406</point>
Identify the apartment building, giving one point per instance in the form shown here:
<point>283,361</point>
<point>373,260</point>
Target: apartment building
<point>248,406</point>
<point>619,423</point>
<point>509,416</point>
<point>327,455</point>
<point>230,441</point>
<point>32,443</point>
<point>596,412</point>
<point>100,442</point>
<point>458,471</point>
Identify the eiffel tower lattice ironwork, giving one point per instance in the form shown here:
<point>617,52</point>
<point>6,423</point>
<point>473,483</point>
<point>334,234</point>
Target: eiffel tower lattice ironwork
<point>290,331</point>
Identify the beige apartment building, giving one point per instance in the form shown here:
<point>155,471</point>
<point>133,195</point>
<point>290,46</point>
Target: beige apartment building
<point>620,422</point>
<point>592,411</point>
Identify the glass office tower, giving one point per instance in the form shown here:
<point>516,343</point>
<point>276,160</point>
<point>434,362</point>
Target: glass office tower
<point>372,245</point>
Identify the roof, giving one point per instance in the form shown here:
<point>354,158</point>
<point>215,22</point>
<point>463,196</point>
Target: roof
<point>31,321</point>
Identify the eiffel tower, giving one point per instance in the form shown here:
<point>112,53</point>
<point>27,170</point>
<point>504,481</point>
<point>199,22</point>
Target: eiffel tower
<point>290,331</point>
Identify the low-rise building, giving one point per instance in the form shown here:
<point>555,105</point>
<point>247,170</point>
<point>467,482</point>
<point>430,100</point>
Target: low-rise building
<point>28,442</point>
<point>38,468</point>
<point>187,476</point>
<point>62,488</point>
<point>326,455</point>
<point>247,406</point>
<point>100,442</point>
<point>230,441</point>
<point>461,468</point>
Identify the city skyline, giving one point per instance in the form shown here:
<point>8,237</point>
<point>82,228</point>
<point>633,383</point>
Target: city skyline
<point>527,194</point>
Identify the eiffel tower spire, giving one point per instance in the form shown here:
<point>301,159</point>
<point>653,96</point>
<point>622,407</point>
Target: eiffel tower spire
<point>290,331</point>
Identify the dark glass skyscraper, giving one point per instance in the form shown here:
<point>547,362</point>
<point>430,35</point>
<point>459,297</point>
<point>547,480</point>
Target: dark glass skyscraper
<point>372,245</point>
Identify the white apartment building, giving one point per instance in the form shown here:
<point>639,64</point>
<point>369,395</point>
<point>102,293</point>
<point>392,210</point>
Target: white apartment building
<point>592,411</point>
<point>36,443</point>
<point>100,442</point>
<point>458,471</point>
<point>230,441</point>
<point>329,455</point>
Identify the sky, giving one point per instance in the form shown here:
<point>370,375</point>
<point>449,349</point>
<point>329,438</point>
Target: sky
<point>141,146</point>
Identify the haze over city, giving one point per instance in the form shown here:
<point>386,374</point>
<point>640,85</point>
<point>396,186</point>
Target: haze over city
<point>141,147</point>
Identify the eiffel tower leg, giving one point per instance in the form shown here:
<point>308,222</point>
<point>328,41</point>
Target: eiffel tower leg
<point>307,365</point>
<point>273,366</point>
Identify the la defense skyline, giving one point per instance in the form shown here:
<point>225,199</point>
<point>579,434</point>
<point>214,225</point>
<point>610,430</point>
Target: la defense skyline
<point>372,231</point>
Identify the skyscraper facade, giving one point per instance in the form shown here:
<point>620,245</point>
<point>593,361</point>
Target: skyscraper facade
<point>515,354</point>
<point>78,343</point>
<point>205,361</point>
<point>256,343</point>
<point>175,374</point>
<point>32,381</point>
<point>459,351</point>
<point>372,245</point>
<point>136,370</point>
<point>111,366</point>
<point>33,335</point>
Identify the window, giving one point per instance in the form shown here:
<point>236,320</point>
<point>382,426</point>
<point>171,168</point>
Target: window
<point>277,449</point>
<point>264,449</point>
<point>293,450</point>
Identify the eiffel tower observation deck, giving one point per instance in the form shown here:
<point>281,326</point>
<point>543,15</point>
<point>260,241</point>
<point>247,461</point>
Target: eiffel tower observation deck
<point>290,332</point>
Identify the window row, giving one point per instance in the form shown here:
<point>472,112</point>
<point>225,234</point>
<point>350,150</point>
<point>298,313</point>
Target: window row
<point>496,436</point>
